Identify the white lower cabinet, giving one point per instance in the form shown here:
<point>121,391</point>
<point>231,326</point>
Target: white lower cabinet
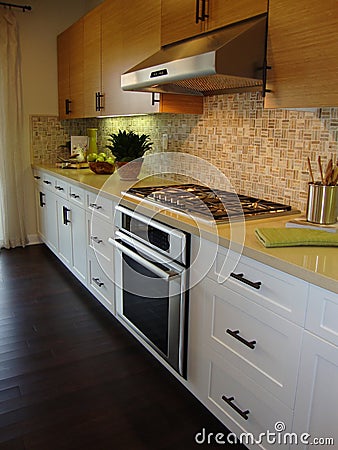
<point>71,221</point>
<point>99,283</point>
<point>47,217</point>
<point>317,394</point>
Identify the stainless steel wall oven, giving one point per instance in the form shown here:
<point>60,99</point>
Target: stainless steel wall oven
<point>151,283</point>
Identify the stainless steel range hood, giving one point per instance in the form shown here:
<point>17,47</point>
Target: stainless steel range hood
<point>226,60</point>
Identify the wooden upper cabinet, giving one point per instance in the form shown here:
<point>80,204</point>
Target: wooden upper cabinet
<point>188,18</point>
<point>92,63</point>
<point>302,53</point>
<point>70,71</point>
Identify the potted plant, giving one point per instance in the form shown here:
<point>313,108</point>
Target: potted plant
<point>128,147</point>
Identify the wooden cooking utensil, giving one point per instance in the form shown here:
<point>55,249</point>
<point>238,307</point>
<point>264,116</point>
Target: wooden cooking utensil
<point>310,170</point>
<point>328,173</point>
<point>321,169</point>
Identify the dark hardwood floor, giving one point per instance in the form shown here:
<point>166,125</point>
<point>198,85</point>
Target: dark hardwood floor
<point>71,377</point>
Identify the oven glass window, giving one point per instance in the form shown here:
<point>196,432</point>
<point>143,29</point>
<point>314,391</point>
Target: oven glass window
<point>146,232</point>
<point>148,312</point>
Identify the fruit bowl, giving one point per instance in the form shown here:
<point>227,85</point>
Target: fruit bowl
<point>102,167</point>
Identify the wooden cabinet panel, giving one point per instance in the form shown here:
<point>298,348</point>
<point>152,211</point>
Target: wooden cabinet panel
<point>178,21</point>
<point>225,12</point>
<point>302,51</point>
<point>63,73</point>
<point>70,71</point>
<point>92,60</point>
<point>179,18</point>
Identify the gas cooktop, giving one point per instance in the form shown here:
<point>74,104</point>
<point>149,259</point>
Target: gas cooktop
<point>220,205</point>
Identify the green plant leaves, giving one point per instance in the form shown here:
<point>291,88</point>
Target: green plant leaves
<point>128,145</point>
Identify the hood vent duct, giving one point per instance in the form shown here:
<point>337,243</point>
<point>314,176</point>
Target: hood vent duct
<point>230,59</point>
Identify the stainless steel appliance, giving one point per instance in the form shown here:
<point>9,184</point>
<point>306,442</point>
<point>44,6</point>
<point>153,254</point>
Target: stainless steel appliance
<point>227,60</point>
<point>202,201</point>
<point>151,261</point>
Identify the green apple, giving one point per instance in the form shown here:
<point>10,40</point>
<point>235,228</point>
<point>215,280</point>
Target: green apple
<point>100,159</point>
<point>91,157</point>
<point>102,155</point>
<point>110,160</point>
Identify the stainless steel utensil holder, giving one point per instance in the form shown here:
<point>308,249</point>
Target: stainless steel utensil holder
<point>322,204</point>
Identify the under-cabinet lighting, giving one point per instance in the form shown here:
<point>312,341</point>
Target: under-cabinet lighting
<point>121,115</point>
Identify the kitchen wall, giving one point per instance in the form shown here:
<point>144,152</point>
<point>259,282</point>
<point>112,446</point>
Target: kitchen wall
<point>38,31</point>
<point>263,152</point>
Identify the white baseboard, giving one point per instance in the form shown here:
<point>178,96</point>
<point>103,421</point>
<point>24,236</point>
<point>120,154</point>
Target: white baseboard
<point>33,239</point>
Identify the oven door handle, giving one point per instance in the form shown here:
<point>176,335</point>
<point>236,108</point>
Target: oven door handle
<point>166,275</point>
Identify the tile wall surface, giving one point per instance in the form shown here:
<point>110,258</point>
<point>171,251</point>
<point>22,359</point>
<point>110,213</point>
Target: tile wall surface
<point>262,152</point>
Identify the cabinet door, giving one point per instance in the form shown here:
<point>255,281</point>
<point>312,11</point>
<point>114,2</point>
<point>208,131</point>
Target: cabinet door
<point>79,243</point>
<point>63,74</point>
<point>302,53</point>
<point>178,20</point>
<point>92,61</point>
<point>40,209</point>
<point>225,12</point>
<point>70,71</point>
<point>317,393</point>
<point>125,43</point>
<point>65,233</point>
<point>50,221</point>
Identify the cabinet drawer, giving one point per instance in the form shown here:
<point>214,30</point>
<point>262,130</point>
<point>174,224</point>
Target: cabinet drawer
<point>77,195</point>
<point>100,206</point>
<point>37,175</point>
<point>99,231</point>
<point>248,406</point>
<point>48,181</point>
<point>322,313</point>
<point>61,188</point>
<point>99,284</point>
<point>263,345</point>
<point>278,291</point>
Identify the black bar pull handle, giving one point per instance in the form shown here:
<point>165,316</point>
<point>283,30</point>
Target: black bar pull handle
<point>197,15</point>
<point>68,102</point>
<point>154,100</point>
<point>98,105</point>
<point>204,15</point>
<point>98,282</point>
<point>240,277</point>
<point>235,334</point>
<point>65,212</point>
<point>229,401</point>
<point>41,195</point>
<point>47,182</point>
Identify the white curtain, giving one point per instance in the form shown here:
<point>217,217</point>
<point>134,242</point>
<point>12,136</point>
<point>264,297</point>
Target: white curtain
<point>12,227</point>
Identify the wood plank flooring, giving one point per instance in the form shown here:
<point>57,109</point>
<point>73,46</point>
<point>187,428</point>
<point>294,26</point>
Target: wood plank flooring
<point>71,377</point>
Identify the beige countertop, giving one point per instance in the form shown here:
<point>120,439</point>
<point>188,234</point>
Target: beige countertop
<point>317,265</point>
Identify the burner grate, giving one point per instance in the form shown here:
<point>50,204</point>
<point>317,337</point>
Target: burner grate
<point>204,201</point>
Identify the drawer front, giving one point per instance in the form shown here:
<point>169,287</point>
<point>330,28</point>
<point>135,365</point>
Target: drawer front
<point>77,195</point>
<point>247,405</point>
<point>322,313</point>
<point>37,175</point>
<point>275,290</point>
<point>100,206</point>
<point>263,345</point>
<point>61,188</point>
<point>99,284</point>
<point>99,231</point>
<point>48,181</point>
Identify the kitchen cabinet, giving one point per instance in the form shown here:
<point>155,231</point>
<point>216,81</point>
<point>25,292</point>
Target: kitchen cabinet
<point>110,46</point>
<point>71,222</point>
<point>302,54</point>
<point>70,72</point>
<point>92,62</point>
<point>317,393</point>
<point>245,338</point>
<point>46,212</point>
<point>188,18</point>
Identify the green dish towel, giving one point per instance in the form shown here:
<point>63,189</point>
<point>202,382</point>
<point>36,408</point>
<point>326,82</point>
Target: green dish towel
<point>294,237</point>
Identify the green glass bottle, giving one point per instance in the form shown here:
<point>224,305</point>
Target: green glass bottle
<point>92,140</point>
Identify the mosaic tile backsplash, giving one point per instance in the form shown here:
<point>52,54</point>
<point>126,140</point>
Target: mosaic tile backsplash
<point>263,152</point>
